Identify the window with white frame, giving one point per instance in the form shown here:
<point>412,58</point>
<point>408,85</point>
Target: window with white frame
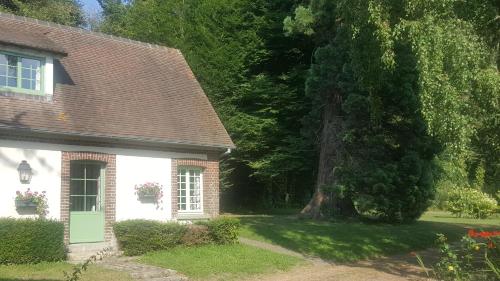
<point>21,73</point>
<point>190,188</point>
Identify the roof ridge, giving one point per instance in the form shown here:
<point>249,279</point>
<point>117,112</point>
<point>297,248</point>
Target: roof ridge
<point>84,31</point>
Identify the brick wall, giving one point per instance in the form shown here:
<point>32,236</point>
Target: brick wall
<point>210,169</point>
<point>109,161</point>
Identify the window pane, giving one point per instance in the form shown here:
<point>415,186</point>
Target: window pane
<point>92,187</point>
<point>30,63</point>
<point>77,203</point>
<point>91,204</point>
<point>93,171</point>
<point>12,60</point>
<point>12,82</point>
<point>26,73</point>
<point>3,59</point>
<point>77,187</point>
<point>26,84</point>
<point>3,70</point>
<point>3,81</point>
<point>12,71</point>
<point>77,170</point>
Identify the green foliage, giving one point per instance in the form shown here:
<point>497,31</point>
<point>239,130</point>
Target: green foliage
<point>416,78</point>
<point>473,260</point>
<point>470,202</point>
<point>253,75</point>
<point>67,12</point>
<point>223,230</point>
<point>137,237</point>
<point>196,235</point>
<point>31,241</point>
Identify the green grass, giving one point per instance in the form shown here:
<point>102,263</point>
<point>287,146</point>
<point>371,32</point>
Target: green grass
<point>52,271</point>
<point>220,262</point>
<point>350,241</point>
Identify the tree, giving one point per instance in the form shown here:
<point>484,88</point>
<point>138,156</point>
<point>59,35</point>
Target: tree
<point>254,77</point>
<point>395,74</point>
<point>67,12</point>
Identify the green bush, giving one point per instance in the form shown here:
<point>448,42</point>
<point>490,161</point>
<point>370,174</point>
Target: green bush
<point>223,230</point>
<point>469,202</point>
<point>31,241</point>
<point>137,237</point>
<point>196,235</point>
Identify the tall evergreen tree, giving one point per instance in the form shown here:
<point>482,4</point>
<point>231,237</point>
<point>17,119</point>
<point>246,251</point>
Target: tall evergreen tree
<point>394,82</point>
<point>67,12</point>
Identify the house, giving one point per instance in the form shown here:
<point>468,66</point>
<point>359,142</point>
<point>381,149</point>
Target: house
<point>86,117</point>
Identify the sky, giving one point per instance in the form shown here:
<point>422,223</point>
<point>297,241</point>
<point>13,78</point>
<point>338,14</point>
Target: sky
<point>90,5</point>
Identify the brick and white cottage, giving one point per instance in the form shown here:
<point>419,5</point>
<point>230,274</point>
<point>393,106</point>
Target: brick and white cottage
<point>86,117</point>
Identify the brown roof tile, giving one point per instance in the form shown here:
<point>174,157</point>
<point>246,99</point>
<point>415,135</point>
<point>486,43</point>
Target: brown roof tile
<point>117,88</point>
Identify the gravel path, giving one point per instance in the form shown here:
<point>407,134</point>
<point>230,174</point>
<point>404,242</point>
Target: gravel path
<point>396,268</point>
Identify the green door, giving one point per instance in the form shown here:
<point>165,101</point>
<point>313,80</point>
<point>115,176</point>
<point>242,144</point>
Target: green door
<point>86,219</point>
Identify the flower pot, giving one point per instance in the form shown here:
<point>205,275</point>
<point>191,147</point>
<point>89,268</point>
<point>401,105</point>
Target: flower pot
<point>25,204</point>
<point>147,198</point>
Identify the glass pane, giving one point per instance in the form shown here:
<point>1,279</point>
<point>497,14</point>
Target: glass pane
<point>26,84</point>
<point>92,187</point>
<point>91,204</point>
<point>26,73</point>
<point>30,63</point>
<point>93,171</point>
<point>3,81</point>
<point>12,82</point>
<point>77,187</point>
<point>3,70</point>
<point>77,203</point>
<point>183,193</point>
<point>12,71</point>
<point>3,59</point>
<point>12,60</point>
<point>182,207</point>
<point>77,170</point>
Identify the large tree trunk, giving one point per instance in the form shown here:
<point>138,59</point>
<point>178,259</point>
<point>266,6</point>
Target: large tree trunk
<point>330,155</point>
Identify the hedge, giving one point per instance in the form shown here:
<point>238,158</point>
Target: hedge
<point>137,237</point>
<point>223,230</point>
<point>31,241</point>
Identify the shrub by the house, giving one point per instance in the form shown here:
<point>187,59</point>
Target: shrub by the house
<point>137,237</point>
<point>31,241</point>
<point>223,230</point>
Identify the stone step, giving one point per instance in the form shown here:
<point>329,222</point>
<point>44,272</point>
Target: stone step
<point>83,251</point>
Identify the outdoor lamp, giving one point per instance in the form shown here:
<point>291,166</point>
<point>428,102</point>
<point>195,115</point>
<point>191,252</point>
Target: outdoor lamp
<point>25,172</point>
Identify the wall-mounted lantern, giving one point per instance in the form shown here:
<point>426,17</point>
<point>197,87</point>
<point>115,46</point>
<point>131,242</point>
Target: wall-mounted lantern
<point>25,172</point>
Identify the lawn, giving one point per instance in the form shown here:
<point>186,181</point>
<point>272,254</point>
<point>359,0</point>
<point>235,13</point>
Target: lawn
<point>220,262</point>
<point>52,271</point>
<point>350,241</point>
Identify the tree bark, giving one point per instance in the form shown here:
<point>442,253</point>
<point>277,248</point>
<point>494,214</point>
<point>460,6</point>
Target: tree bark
<point>330,155</point>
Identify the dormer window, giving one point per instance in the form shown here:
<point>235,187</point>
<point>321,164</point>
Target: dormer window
<point>19,73</point>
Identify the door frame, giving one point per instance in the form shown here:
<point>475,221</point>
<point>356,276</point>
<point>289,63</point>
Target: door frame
<point>91,221</point>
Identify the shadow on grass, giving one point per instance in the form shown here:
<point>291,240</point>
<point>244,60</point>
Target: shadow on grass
<point>347,241</point>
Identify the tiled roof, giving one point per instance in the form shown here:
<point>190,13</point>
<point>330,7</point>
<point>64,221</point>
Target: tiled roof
<point>113,87</point>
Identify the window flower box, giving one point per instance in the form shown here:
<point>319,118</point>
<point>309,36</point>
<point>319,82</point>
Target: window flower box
<point>150,192</point>
<point>29,202</point>
<point>25,203</point>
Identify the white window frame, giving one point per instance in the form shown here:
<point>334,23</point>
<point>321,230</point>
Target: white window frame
<point>188,196</point>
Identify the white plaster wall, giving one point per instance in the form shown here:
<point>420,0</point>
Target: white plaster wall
<point>46,166</point>
<point>133,166</point>
<point>133,170</point>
